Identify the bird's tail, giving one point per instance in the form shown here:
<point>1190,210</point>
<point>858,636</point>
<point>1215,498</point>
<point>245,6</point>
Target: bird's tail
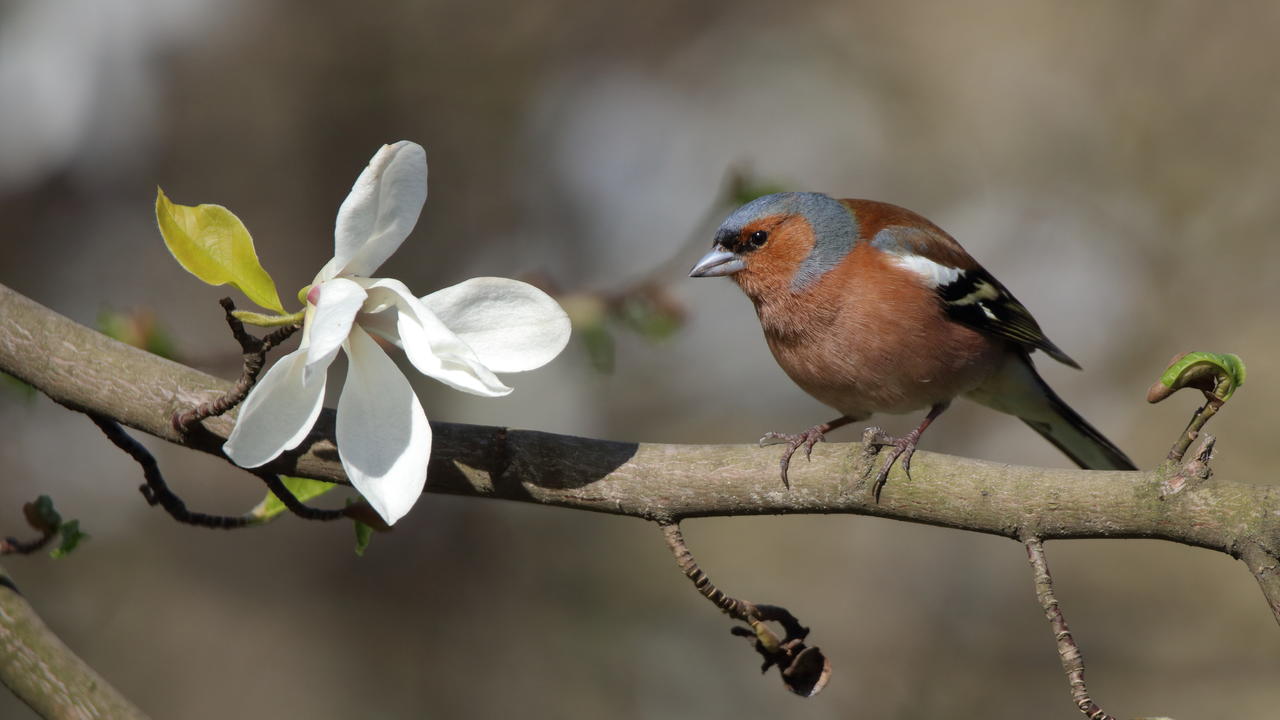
<point>1020,391</point>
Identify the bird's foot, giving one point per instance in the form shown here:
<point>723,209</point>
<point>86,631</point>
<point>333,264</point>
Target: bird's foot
<point>901,449</point>
<point>808,439</point>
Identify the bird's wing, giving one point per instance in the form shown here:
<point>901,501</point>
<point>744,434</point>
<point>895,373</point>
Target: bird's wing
<point>970,295</point>
<point>975,298</point>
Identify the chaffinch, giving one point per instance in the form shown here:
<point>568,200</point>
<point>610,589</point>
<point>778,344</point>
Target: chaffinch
<point>871,308</point>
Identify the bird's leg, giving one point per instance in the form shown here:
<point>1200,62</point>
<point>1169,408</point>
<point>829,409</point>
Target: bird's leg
<point>808,439</point>
<point>903,447</point>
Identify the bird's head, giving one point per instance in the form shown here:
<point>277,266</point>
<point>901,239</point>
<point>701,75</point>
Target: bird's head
<point>781,242</point>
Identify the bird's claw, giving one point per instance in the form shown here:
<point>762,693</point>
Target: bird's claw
<point>793,441</point>
<point>901,449</point>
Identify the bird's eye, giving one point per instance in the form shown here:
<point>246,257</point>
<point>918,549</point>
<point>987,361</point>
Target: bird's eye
<point>758,238</point>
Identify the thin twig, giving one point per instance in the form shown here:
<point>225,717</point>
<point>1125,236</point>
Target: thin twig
<point>296,506</point>
<point>14,546</point>
<point>1072,660</point>
<point>255,356</point>
<point>1188,436</point>
<point>805,670</point>
<point>734,608</point>
<point>156,491</point>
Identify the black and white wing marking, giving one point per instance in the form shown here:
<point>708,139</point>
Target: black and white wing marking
<point>977,299</point>
<point>969,294</point>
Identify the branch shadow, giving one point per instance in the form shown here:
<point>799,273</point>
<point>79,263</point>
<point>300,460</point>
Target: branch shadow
<point>504,462</point>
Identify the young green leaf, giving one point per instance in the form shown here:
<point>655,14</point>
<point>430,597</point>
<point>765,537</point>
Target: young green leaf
<point>364,534</point>
<point>302,488</point>
<point>41,515</point>
<point>1218,373</point>
<point>71,538</point>
<point>210,242</point>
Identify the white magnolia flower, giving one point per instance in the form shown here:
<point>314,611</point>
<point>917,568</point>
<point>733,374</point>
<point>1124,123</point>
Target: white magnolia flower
<point>460,335</point>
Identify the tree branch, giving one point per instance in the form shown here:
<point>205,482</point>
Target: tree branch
<point>156,490</point>
<point>45,673</point>
<point>1068,651</point>
<point>1265,567</point>
<point>89,372</point>
<point>804,669</point>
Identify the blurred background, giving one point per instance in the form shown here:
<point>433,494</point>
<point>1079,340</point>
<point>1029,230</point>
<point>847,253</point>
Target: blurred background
<point>1114,164</point>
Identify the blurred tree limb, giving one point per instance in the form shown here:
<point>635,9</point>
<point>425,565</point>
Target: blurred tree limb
<point>44,673</point>
<point>89,372</point>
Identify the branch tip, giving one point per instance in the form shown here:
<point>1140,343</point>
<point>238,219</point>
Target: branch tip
<point>805,670</point>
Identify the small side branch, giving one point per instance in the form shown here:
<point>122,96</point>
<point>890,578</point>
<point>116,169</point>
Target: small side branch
<point>1072,660</point>
<point>156,490</point>
<point>805,670</point>
<point>1201,416</point>
<point>1265,567</point>
<point>255,356</point>
<point>296,506</point>
<point>16,546</point>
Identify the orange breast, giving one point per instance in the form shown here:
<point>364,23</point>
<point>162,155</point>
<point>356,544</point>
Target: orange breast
<point>866,347</point>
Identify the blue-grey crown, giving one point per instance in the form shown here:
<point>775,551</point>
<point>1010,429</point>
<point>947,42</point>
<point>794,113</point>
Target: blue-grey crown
<point>834,228</point>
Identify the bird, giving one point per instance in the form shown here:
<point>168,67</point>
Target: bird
<point>871,308</point>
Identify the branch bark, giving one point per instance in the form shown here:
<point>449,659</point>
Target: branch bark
<point>45,673</point>
<point>88,372</point>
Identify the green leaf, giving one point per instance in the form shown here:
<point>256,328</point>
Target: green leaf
<point>303,488</point>
<point>364,534</point>
<point>650,316</point>
<point>1218,373</point>
<point>589,314</point>
<point>41,515</point>
<point>71,538</point>
<point>139,329</point>
<point>600,347</point>
<point>212,244</point>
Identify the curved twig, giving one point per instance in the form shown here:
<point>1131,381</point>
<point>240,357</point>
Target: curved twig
<point>805,670</point>
<point>255,356</point>
<point>156,490</point>
<point>1068,651</point>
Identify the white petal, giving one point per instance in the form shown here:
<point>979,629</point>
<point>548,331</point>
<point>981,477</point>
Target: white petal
<point>328,272</point>
<point>384,440</point>
<point>382,208</point>
<point>432,348</point>
<point>512,326</point>
<point>327,325</point>
<point>278,413</point>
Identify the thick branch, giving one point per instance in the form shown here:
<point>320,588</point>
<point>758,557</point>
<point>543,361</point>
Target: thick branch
<point>44,673</point>
<point>87,371</point>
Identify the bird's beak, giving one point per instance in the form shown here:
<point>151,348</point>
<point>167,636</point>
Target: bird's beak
<point>717,263</point>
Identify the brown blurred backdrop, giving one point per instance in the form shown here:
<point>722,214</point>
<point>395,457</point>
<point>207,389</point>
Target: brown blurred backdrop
<point>1114,163</point>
